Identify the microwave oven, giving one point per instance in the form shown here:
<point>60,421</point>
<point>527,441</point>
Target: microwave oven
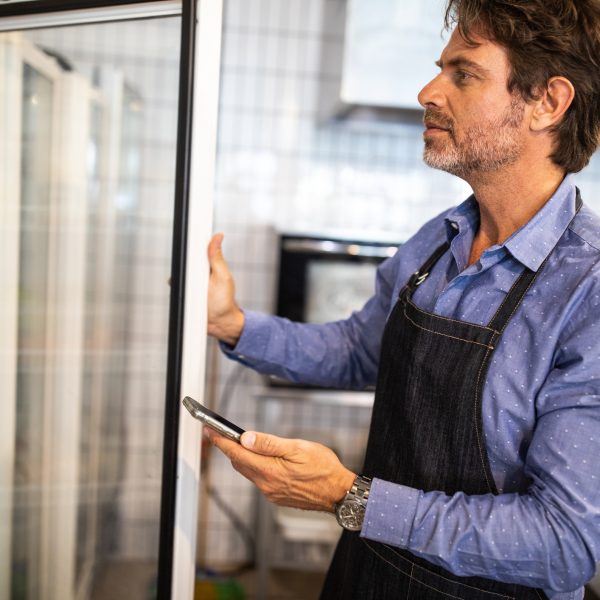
<point>323,279</point>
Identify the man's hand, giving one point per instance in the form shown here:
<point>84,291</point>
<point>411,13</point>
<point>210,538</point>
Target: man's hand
<point>288,472</point>
<point>225,319</point>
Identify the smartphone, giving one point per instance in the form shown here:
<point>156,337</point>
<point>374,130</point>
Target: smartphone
<point>213,420</point>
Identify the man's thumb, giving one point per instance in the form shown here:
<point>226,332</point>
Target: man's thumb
<point>215,254</point>
<point>264,443</point>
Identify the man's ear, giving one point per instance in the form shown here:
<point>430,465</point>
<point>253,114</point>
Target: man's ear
<point>552,103</point>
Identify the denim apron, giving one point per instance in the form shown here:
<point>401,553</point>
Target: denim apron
<point>427,433</point>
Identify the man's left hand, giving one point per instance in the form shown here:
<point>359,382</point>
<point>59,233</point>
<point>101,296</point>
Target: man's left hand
<point>288,472</point>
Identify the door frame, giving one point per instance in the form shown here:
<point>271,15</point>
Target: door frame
<point>10,193</point>
<point>18,53</point>
<point>194,175</point>
<point>196,160</point>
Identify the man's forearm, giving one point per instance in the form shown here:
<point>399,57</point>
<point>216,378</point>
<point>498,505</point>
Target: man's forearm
<point>514,538</point>
<point>306,353</point>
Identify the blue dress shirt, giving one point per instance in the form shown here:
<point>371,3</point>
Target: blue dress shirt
<point>541,400</point>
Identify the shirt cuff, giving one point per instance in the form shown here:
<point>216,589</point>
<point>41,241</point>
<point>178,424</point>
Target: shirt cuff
<point>390,512</point>
<point>254,339</point>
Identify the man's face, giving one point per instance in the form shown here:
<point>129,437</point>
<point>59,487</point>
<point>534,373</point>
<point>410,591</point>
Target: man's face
<point>473,124</point>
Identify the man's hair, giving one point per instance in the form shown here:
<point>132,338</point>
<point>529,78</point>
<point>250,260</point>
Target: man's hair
<point>545,38</point>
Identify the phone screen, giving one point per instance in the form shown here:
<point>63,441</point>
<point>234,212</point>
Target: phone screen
<point>213,420</point>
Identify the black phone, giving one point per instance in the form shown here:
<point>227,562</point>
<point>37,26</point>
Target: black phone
<point>213,420</point>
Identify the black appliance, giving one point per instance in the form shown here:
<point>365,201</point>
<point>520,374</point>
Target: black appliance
<point>324,279</point>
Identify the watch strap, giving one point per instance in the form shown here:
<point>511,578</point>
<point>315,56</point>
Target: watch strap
<point>360,489</point>
<point>351,510</point>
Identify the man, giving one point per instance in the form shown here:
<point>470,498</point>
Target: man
<point>481,478</point>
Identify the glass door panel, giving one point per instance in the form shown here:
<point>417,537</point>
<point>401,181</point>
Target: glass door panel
<point>87,220</point>
<point>36,128</point>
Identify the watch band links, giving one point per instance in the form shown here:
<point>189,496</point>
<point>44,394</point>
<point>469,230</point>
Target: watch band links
<point>350,511</point>
<point>360,488</point>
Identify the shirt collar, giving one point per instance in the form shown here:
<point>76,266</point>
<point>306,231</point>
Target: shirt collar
<point>463,219</point>
<point>532,243</point>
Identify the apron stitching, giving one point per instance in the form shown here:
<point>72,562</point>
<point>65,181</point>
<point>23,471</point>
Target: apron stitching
<point>476,420</point>
<point>410,581</point>
<point>449,319</point>
<point>447,335</point>
<point>385,560</point>
<point>437,574</point>
<point>411,576</point>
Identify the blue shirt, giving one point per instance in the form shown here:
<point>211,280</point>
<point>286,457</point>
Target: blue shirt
<point>541,400</point>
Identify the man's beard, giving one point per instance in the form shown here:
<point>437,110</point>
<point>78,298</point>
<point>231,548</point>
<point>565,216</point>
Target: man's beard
<point>482,148</point>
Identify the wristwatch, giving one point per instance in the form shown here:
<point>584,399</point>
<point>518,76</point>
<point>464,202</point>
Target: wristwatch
<point>350,512</point>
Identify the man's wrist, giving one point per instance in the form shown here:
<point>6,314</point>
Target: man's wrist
<point>231,329</point>
<point>350,512</point>
<point>343,487</point>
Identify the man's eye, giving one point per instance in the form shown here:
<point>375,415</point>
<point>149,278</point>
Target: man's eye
<point>462,76</point>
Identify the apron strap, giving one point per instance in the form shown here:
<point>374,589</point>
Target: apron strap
<point>419,276</point>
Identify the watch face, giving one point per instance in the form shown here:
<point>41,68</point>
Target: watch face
<point>350,515</point>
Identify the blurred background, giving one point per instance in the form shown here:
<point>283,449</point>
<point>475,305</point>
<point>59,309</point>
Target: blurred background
<point>319,178</point>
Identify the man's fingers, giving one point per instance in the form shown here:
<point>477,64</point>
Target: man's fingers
<point>266,444</point>
<point>214,246</point>
<point>215,253</point>
<point>232,450</point>
<point>228,447</point>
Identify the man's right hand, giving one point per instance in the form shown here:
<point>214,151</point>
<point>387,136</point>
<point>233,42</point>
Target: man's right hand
<point>225,319</point>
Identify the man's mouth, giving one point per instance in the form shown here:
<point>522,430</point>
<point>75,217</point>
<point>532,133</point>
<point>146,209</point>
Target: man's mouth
<point>432,128</point>
<point>436,123</point>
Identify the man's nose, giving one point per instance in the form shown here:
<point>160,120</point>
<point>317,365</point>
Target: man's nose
<point>431,94</point>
